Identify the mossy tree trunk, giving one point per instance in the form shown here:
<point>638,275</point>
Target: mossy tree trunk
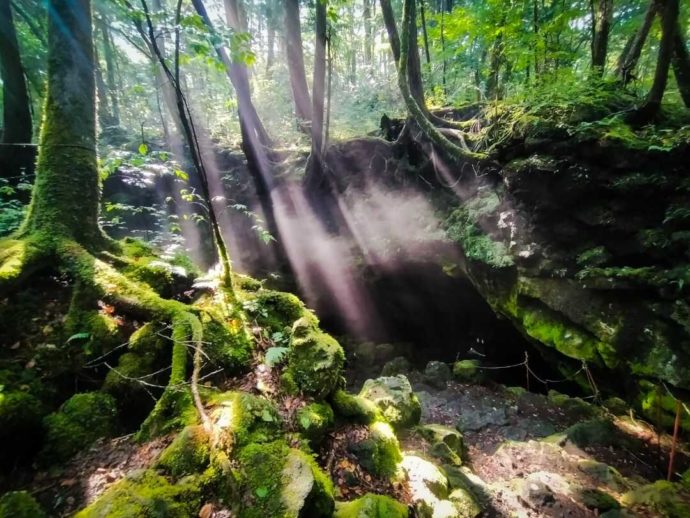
<point>602,16</point>
<point>681,64</point>
<point>65,201</point>
<point>633,48</point>
<point>295,60</point>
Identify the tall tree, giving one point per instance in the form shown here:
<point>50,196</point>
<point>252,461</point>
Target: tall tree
<point>681,64</point>
<point>319,83</point>
<point>602,17</point>
<point>368,42</point>
<point>627,62</point>
<point>109,55</point>
<point>669,23</point>
<point>16,106</point>
<point>295,61</point>
<point>66,197</point>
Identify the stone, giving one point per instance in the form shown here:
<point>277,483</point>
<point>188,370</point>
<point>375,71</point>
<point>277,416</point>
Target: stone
<point>435,433</point>
<point>465,503</point>
<point>475,419</point>
<point>395,399</point>
<point>371,506</point>
<point>398,365</point>
<point>437,374</point>
<point>426,481</point>
<point>380,452</point>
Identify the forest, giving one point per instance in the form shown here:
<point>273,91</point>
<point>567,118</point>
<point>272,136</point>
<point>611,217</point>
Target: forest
<point>344,258</point>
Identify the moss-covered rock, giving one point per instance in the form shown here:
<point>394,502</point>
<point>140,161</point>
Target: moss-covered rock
<point>662,498</point>
<point>435,433</point>
<point>188,454</point>
<point>355,407</point>
<point>395,399</point>
<point>315,360</point>
<point>379,452</point>
<point>226,345</point>
<point>437,374</point>
<point>241,418</point>
<point>595,432</point>
<point>371,506</point>
<point>147,494</point>
<point>173,411</point>
<point>466,371</point>
<point>282,482</point>
<point>81,420</point>
<point>464,503</point>
<point>20,424</point>
<point>276,310</point>
<point>19,504</point>
<point>314,421</point>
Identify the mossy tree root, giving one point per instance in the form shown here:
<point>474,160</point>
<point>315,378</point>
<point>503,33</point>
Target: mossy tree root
<point>95,279</point>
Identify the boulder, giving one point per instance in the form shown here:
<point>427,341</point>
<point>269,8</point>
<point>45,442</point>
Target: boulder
<point>379,452</point>
<point>437,374</point>
<point>395,399</point>
<point>398,365</point>
<point>466,371</point>
<point>314,421</point>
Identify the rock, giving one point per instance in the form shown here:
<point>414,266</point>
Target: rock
<point>426,481</point>
<point>437,374</point>
<point>435,433</point>
<point>466,371</point>
<point>380,452</point>
<point>371,506</point>
<point>573,406</point>
<point>465,503</point>
<point>444,453</point>
<point>603,474</point>
<point>475,419</point>
<point>537,493</point>
<point>394,397</point>
<point>314,421</point>
<point>398,365</point>
<point>596,499</point>
<point>315,360</point>
<point>20,504</point>
<point>596,432</point>
<point>355,407</point>
<point>281,481</point>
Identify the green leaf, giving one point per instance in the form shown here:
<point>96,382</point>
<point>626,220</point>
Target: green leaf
<point>143,149</point>
<point>267,416</point>
<point>262,492</point>
<point>79,336</point>
<point>275,355</point>
<point>181,175</point>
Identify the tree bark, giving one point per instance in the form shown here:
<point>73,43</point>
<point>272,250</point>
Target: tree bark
<point>16,105</point>
<point>368,44</point>
<point>627,62</point>
<point>295,61</point>
<point>66,196</point>
<point>681,65</point>
<point>109,56</point>
<point>669,22</point>
<point>493,90</point>
<point>424,33</point>
<point>602,16</point>
<point>391,29</point>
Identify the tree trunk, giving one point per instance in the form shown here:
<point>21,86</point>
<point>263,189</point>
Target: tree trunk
<point>602,16</point>
<point>633,48</point>
<point>66,196</point>
<point>391,28</point>
<point>493,90</point>
<point>109,56</point>
<point>318,85</point>
<point>295,61</point>
<point>424,33</point>
<point>681,65</point>
<point>16,106</point>
<point>102,95</point>
<point>368,45</point>
<point>669,22</point>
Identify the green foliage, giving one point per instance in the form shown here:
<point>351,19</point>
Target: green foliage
<point>12,210</point>
<point>314,421</point>
<point>371,506</point>
<point>20,504</point>
<point>81,420</point>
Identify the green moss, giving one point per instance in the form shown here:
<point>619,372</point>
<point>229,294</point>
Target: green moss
<point>356,407</point>
<point>595,432</point>
<point>245,418</point>
<point>276,310</point>
<point>82,419</point>
<point>282,482</point>
<point>662,497</point>
<point>315,361</point>
<point>19,504</point>
<point>189,453</point>
<point>226,346</point>
<point>478,246</point>
<point>594,257</point>
<point>174,410</point>
<point>657,405</point>
<point>147,494</point>
<point>380,452</point>
<point>685,479</point>
<point>314,421</point>
<point>395,399</point>
<point>371,506</point>
<point>247,283</point>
